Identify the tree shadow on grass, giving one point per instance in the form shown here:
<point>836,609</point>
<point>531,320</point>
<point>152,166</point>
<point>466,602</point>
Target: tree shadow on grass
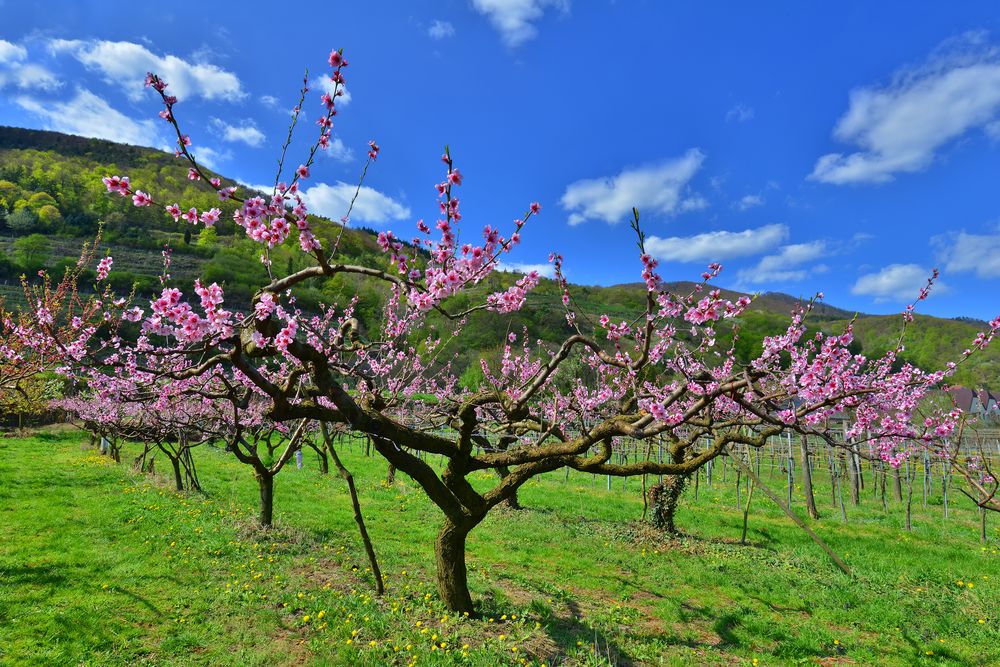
<point>26,575</point>
<point>723,625</point>
<point>568,629</point>
<point>138,598</point>
<point>940,653</point>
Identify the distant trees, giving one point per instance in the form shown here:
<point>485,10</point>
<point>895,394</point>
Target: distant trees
<point>207,237</point>
<point>22,220</point>
<point>31,252</point>
<point>49,217</point>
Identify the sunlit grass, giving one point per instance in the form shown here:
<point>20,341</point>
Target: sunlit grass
<point>101,566</point>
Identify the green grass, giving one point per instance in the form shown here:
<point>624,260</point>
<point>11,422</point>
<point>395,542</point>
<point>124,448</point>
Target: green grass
<point>101,566</point>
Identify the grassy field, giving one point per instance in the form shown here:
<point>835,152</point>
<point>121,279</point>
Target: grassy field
<point>101,566</point>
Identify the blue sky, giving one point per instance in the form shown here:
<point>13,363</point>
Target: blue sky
<point>847,148</point>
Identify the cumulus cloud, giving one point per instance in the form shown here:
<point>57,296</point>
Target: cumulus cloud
<point>899,127</point>
<point>328,86</point>
<point>974,253</point>
<point>210,157</point>
<point>717,246</point>
<point>748,202</point>
<point>371,207</point>
<point>515,19</point>
<point>246,132</point>
<point>125,64</point>
<point>11,53</point>
<point>338,150</point>
<point>28,76</point>
<point>786,265</point>
<point>87,115</point>
<point>269,101</point>
<point>896,282</point>
<point>441,29</point>
<point>544,269</point>
<point>15,72</point>
<point>653,189</point>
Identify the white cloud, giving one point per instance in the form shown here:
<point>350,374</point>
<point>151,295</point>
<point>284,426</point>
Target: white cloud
<point>896,282</point>
<point>88,115</point>
<point>899,127</point>
<point>739,114</point>
<point>17,73</point>
<point>749,201</point>
<point>29,76</point>
<point>210,157</point>
<point>245,132</point>
<point>653,189</point>
<point>125,64</point>
<point>978,253</point>
<point>441,29</point>
<point>717,246</point>
<point>328,86</point>
<point>545,270</point>
<point>993,130</point>
<point>515,19</point>
<point>11,53</point>
<point>786,265</point>
<point>338,150</point>
<point>269,101</point>
<point>371,207</point>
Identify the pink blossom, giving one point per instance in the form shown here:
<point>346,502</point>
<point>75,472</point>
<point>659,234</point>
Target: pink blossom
<point>104,267</point>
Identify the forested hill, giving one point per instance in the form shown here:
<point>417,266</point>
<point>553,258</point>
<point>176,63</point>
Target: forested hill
<point>52,199</point>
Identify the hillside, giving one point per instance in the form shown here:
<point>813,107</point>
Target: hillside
<point>52,199</point>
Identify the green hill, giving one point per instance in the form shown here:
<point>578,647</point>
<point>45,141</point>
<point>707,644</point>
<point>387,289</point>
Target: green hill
<point>52,199</point>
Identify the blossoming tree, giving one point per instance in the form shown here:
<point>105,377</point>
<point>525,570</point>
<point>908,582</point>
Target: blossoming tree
<point>660,377</point>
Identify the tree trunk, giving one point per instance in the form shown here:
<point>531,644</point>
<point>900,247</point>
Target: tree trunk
<point>178,479</point>
<point>452,577</point>
<point>266,484</point>
<point>746,512</point>
<point>897,485</point>
<point>390,475</point>
<point>909,497</point>
<point>664,498</point>
<point>807,480</point>
<point>853,477</point>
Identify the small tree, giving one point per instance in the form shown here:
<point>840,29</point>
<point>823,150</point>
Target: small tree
<point>49,217</point>
<point>207,237</point>
<point>31,252</point>
<point>22,220</point>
